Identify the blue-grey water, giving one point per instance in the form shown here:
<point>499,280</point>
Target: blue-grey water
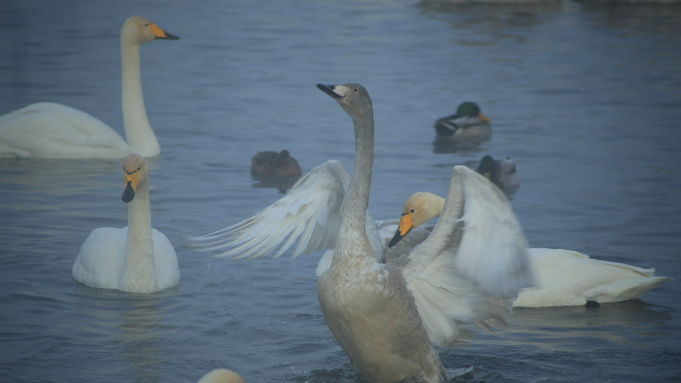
<point>585,98</point>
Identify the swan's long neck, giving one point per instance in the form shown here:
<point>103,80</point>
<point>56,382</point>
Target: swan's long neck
<point>138,132</point>
<point>353,244</point>
<point>139,273</point>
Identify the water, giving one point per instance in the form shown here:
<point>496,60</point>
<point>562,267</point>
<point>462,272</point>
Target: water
<point>585,98</point>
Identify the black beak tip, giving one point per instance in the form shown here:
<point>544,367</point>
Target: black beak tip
<point>128,194</point>
<point>328,89</point>
<point>171,37</point>
<point>396,238</point>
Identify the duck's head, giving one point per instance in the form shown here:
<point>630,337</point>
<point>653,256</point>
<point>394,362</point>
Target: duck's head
<point>134,174</point>
<point>353,98</point>
<point>488,168</point>
<point>420,208</point>
<point>470,109</point>
<point>139,30</point>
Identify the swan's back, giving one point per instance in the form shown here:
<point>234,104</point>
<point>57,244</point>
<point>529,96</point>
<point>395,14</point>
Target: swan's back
<point>570,278</point>
<point>52,130</point>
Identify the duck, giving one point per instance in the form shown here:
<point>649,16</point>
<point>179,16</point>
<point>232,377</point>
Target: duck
<point>274,164</point>
<point>563,277</point>
<point>221,375</point>
<point>388,316</point>
<point>52,130</point>
<point>136,258</point>
<point>467,124</point>
<point>503,173</point>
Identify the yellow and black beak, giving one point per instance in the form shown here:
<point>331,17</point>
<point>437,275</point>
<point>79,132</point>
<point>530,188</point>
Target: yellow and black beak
<point>160,33</point>
<point>484,118</point>
<point>404,227</point>
<point>131,180</point>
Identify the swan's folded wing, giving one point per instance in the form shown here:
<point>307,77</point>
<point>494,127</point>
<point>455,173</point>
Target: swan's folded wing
<point>308,214</point>
<point>473,264</point>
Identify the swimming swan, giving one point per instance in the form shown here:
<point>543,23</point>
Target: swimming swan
<point>468,123</point>
<point>136,258</point>
<point>405,305</point>
<point>221,375</point>
<point>50,130</point>
<point>563,277</point>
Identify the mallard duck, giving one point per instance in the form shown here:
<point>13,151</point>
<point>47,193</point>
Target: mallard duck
<point>50,130</point>
<point>273,164</point>
<point>468,124</point>
<point>502,173</point>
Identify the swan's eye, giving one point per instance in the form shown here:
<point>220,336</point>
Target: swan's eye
<point>356,90</point>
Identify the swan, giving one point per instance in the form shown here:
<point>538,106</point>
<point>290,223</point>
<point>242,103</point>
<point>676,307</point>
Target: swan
<point>468,123</point>
<point>502,173</point>
<point>273,164</point>
<point>136,258</point>
<point>386,316</point>
<point>221,375</point>
<point>50,130</point>
<point>563,277</point>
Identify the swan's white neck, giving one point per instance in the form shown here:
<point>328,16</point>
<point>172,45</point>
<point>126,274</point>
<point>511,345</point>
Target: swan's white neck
<point>139,273</point>
<point>353,245</point>
<point>138,132</point>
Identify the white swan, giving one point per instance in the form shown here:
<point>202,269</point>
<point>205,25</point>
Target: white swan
<point>136,258</point>
<point>49,130</point>
<point>563,277</point>
<point>386,315</point>
<point>221,375</point>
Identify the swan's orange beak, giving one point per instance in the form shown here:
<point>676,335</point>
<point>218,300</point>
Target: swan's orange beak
<point>404,227</point>
<point>160,33</point>
<point>131,180</point>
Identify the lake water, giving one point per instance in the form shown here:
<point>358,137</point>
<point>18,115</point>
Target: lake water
<point>585,98</point>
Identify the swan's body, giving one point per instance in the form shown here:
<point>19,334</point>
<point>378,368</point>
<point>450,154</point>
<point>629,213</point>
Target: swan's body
<point>221,375</point>
<point>467,124</point>
<point>386,315</point>
<point>563,277</point>
<point>502,173</point>
<point>136,258</point>
<point>273,164</point>
<point>50,130</point>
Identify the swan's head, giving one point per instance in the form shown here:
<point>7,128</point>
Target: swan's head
<point>420,208</point>
<point>134,174</point>
<point>470,109</point>
<point>353,98</point>
<point>139,30</point>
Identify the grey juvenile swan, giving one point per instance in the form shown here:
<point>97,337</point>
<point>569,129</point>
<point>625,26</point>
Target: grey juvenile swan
<point>386,315</point>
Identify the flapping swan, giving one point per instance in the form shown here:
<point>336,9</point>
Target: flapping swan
<point>563,277</point>
<point>274,164</point>
<point>136,258</point>
<point>221,375</point>
<point>468,123</point>
<point>49,130</point>
<point>386,315</point>
<point>502,173</point>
